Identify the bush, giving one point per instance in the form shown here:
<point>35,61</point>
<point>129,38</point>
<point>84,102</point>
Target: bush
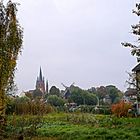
<point>121,109</point>
<point>55,100</point>
<point>24,106</point>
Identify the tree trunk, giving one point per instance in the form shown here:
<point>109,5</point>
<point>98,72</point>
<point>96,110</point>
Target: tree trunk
<point>2,108</point>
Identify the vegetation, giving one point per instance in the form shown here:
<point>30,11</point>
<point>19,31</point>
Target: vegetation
<point>134,79</point>
<point>10,46</point>
<point>82,97</point>
<point>54,100</point>
<point>54,91</point>
<point>135,48</point>
<point>110,92</point>
<point>121,109</point>
<point>69,126</point>
<point>36,119</point>
<point>82,114</point>
<point>25,106</point>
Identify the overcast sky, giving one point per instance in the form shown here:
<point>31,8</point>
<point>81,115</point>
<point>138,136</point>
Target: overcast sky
<point>76,41</point>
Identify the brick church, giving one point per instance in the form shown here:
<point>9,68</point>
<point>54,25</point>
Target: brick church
<point>40,83</point>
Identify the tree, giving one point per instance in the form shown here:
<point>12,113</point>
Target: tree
<point>55,100</point>
<point>113,93</point>
<point>92,90</point>
<point>101,93</point>
<point>82,97</point>
<point>90,99</point>
<point>11,36</point>
<point>76,96</point>
<point>135,51</point>
<point>54,91</point>
<point>135,48</point>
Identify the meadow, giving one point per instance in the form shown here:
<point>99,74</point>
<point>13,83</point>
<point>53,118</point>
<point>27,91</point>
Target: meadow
<point>71,126</point>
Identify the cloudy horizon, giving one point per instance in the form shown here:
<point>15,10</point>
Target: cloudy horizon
<point>76,41</point>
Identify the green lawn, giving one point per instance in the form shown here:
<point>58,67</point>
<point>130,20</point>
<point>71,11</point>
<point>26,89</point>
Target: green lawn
<point>80,126</point>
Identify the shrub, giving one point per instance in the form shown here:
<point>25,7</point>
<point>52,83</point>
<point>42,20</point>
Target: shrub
<point>121,109</point>
<point>24,106</point>
<point>55,100</point>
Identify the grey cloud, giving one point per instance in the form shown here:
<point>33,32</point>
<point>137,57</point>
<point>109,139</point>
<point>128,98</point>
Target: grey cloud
<point>75,40</point>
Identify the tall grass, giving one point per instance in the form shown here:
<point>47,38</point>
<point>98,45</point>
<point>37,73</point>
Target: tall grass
<point>79,126</point>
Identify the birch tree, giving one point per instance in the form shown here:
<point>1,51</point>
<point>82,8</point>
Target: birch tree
<point>11,36</point>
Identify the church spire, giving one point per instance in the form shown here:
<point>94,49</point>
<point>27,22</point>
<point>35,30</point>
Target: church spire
<point>47,87</point>
<point>40,75</point>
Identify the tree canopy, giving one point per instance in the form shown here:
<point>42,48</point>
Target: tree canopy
<point>54,91</point>
<point>82,97</point>
<point>11,36</point>
<point>55,100</point>
<point>135,48</point>
<point>134,78</point>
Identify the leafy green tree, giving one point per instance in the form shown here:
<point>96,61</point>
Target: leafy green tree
<point>55,100</point>
<point>77,97</point>
<point>82,97</point>
<point>10,46</point>
<point>101,92</point>
<point>90,99</point>
<point>54,91</point>
<point>113,93</point>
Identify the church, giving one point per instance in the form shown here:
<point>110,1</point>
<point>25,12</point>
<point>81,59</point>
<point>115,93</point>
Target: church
<point>40,83</point>
<point>41,88</point>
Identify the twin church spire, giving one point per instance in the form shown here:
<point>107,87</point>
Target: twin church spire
<point>40,83</point>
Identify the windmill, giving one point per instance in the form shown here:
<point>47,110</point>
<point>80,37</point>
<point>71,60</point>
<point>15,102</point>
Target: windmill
<point>67,91</point>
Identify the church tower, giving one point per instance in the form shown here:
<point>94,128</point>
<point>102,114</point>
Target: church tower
<point>40,84</point>
<point>47,87</point>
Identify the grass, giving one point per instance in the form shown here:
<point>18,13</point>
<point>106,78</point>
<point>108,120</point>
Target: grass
<point>80,126</point>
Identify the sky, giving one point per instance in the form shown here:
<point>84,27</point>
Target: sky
<point>76,41</point>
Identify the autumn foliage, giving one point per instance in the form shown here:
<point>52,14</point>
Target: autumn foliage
<point>121,109</point>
